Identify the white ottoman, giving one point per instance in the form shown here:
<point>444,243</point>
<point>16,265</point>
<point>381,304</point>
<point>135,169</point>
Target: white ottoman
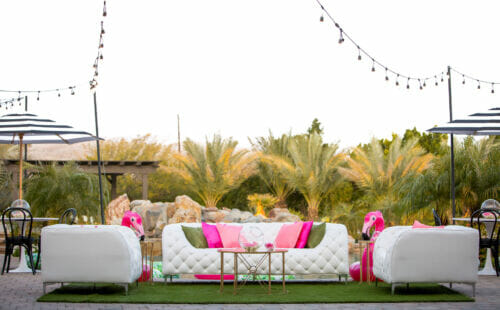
<point>90,253</point>
<point>403,254</point>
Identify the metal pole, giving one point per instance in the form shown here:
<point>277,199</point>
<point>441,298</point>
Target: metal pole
<point>26,146</point>
<point>98,159</point>
<point>452,151</point>
<point>178,134</point>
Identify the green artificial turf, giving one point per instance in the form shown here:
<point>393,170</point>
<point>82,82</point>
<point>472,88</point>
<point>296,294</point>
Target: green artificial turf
<point>202,293</point>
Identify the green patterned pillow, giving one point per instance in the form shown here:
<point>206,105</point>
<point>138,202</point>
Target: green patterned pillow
<point>195,236</point>
<point>316,235</point>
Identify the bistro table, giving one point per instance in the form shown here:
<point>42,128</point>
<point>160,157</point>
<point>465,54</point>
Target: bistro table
<point>488,269</point>
<point>23,266</point>
<point>252,268</point>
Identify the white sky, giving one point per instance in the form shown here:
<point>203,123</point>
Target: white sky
<point>242,67</point>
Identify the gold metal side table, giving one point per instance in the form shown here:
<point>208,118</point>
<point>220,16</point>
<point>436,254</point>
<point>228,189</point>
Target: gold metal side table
<point>364,244</point>
<point>252,268</point>
<point>147,248</point>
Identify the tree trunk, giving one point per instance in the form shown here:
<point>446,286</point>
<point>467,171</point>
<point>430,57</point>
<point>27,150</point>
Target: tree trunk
<point>312,211</point>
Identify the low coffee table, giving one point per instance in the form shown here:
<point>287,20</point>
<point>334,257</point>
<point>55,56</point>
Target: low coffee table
<point>252,268</point>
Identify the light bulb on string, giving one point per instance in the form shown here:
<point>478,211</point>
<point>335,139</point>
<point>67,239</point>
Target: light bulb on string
<point>104,11</point>
<point>442,79</point>
<point>408,84</point>
<point>463,79</point>
<point>18,96</point>
<point>420,84</point>
<point>373,65</point>
<point>359,53</point>
<point>397,82</point>
<point>102,28</point>
<point>478,84</point>
<point>321,18</point>
<point>101,57</point>
<point>492,88</point>
<point>341,38</point>
<point>58,93</point>
<point>72,91</point>
<point>101,45</point>
<point>425,83</point>
<point>436,80</point>
<point>38,96</point>
<point>386,77</point>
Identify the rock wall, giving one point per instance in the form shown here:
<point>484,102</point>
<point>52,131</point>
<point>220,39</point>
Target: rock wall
<point>185,210</point>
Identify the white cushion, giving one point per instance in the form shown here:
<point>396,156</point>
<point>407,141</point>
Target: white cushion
<point>403,255</point>
<point>329,257</point>
<point>90,253</point>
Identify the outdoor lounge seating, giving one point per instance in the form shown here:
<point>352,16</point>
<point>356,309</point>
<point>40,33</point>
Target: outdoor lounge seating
<point>90,253</point>
<point>404,255</point>
<point>329,257</point>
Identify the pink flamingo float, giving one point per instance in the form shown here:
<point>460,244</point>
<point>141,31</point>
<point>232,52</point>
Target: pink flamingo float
<point>134,221</point>
<point>371,219</point>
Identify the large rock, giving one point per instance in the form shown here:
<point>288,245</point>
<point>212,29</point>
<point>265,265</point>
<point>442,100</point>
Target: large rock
<point>254,219</point>
<point>282,215</point>
<point>237,216</point>
<point>186,211</point>
<point>116,209</point>
<point>168,210</point>
<point>213,215</point>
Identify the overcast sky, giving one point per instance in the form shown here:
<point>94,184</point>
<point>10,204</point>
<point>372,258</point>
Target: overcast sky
<point>243,67</point>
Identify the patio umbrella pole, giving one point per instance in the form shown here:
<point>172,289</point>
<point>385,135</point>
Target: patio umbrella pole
<point>452,163</point>
<point>98,159</point>
<point>21,166</point>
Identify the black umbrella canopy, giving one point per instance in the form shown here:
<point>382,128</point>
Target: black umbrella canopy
<point>28,128</point>
<point>477,124</point>
<point>31,129</point>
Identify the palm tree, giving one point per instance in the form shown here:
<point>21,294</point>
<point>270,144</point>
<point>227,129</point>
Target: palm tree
<point>311,168</point>
<point>213,169</point>
<point>269,173</point>
<point>381,176</point>
<point>53,189</point>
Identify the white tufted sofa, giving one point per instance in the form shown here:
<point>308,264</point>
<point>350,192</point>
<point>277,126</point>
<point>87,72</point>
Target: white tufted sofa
<point>329,257</point>
<point>438,255</point>
<point>90,253</point>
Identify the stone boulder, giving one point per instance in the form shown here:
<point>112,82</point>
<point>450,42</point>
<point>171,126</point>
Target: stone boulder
<point>213,215</point>
<point>282,215</point>
<point>237,216</point>
<point>116,209</point>
<point>168,210</point>
<point>254,219</point>
<point>186,211</point>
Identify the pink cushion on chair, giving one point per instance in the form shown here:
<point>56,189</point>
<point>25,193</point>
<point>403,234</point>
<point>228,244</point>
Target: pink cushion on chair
<point>212,235</point>
<point>304,234</point>
<point>229,235</point>
<point>288,235</point>
<point>417,224</point>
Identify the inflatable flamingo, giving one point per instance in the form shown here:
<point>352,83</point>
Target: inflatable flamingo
<point>371,219</point>
<point>134,221</point>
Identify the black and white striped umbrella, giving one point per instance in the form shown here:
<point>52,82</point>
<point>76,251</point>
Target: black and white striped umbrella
<point>477,124</point>
<point>31,129</point>
<point>28,128</point>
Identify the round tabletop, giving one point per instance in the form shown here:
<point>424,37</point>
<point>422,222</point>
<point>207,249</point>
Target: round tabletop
<point>467,219</point>
<point>37,219</point>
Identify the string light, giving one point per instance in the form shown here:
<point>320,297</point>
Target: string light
<point>492,88</point>
<point>104,11</point>
<point>420,84</point>
<point>38,96</point>
<point>408,84</point>
<point>345,36</point>
<point>463,81</point>
<point>436,83</point>
<point>93,82</point>
<point>478,84</point>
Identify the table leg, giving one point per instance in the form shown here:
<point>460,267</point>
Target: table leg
<point>269,280</point>
<point>488,269</point>
<point>368,263</point>
<point>360,262</point>
<point>23,266</point>
<point>221,272</point>
<point>235,282</point>
<point>283,269</point>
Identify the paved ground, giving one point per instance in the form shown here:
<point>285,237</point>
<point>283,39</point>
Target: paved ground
<point>20,291</point>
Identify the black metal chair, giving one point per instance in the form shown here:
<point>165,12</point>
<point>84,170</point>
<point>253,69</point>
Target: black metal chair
<point>17,224</point>
<point>490,241</point>
<point>68,217</point>
<point>437,219</point>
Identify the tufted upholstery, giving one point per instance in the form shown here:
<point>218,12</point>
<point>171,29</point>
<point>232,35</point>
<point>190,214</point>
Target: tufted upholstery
<point>329,257</point>
<point>405,255</point>
<point>90,253</point>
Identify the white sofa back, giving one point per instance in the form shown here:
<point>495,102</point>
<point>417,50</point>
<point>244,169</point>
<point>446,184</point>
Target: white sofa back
<point>329,257</point>
<point>90,253</point>
<point>403,255</point>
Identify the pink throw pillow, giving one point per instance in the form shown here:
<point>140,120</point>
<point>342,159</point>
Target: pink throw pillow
<point>288,235</point>
<point>417,224</point>
<point>212,235</point>
<point>304,234</point>
<point>229,235</point>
